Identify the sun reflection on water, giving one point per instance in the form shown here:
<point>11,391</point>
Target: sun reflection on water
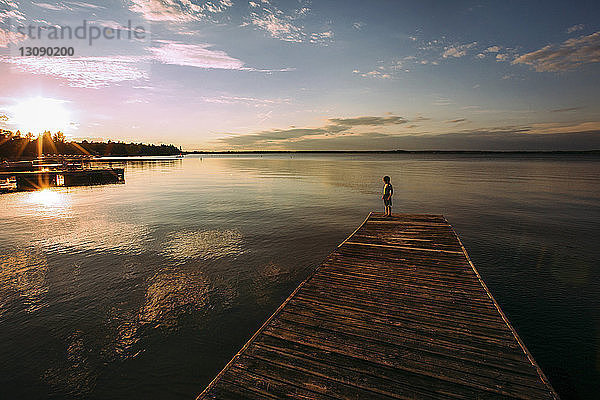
<point>48,203</point>
<point>47,198</point>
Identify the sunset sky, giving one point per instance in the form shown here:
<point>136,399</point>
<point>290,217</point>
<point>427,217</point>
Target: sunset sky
<point>311,75</point>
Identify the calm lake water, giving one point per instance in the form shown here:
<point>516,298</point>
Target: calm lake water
<point>146,290</point>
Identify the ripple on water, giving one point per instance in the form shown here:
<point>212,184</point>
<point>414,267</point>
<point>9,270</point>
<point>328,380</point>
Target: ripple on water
<point>94,234</point>
<point>203,244</point>
<point>169,294</point>
<point>24,272</point>
<point>72,374</point>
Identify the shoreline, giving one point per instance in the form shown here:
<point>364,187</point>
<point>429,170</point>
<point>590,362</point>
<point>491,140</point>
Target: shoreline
<point>594,152</point>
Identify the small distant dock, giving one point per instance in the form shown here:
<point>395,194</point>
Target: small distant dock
<point>397,311</point>
<point>34,180</point>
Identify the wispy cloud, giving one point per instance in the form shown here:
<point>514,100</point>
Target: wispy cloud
<point>178,10</point>
<point>359,25</point>
<point>8,37</point>
<point>249,101</point>
<point>535,137</point>
<point>334,127</point>
<point>286,26</point>
<point>102,71</point>
<point>376,73</point>
<point>442,101</point>
<point>388,70</point>
<point>457,51</point>
<point>492,49</point>
<point>82,4</point>
<point>84,72</point>
<point>52,7</point>
<point>560,110</point>
<point>369,121</point>
<point>10,12</point>
<point>194,55</point>
<point>569,55</point>
<point>565,127</point>
<point>457,121</point>
<point>575,28</point>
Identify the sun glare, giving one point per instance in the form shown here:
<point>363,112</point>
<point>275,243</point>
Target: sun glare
<point>47,198</point>
<point>39,114</point>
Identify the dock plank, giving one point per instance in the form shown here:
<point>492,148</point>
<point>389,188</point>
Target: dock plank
<point>397,311</point>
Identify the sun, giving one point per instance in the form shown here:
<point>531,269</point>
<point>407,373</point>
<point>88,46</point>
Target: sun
<point>39,114</point>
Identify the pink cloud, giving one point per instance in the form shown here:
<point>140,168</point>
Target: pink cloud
<point>194,55</point>
<point>569,55</point>
<point>8,37</point>
<point>178,11</point>
<point>85,72</point>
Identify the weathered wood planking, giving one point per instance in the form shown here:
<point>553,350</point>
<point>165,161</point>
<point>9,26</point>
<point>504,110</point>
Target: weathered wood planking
<point>396,311</point>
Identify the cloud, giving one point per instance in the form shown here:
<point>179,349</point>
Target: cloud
<point>565,128</point>
<point>11,12</point>
<point>8,37</point>
<point>442,101</point>
<point>284,26</point>
<point>102,71</point>
<point>194,55</point>
<point>560,110</point>
<point>495,138</point>
<point>334,127</point>
<point>457,51</point>
<point>260,14</point>
<point>278,26</point>
<point>321,37</point>
<point>492,49</point>
<point>571,54</point>
<point>85,72</point>
<point>52,7</point>
<point>358,25</point>
<point>379,74</point>
<point>420,118</point>
<point>575,28</point>
<point>340,134</point>
<point>178,10</point>
<point>81,4</point>
<point>369,121</point>
<point>250,101</point>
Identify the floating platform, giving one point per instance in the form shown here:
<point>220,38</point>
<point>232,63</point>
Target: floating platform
<point>34,180</point>
<point>397,311</point>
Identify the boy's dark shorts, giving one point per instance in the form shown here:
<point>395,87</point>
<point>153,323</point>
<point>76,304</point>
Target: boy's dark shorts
<point>387,203</point>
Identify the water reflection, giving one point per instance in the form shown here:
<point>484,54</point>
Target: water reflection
<point>169,294</point>
<point>161,279</point>
<point>72,375</point>
<point>25,273</point>
<point>203,244</point>
<point>92,233</point>
<point>46,203</point>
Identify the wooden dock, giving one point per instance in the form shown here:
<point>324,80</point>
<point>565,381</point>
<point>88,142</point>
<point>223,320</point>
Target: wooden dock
<point>35,180</point>
<point>396,311</point>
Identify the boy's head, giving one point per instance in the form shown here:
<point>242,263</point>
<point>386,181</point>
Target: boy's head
<point>386,179</point>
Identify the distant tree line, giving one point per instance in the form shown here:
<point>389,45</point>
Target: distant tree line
<point>15,146</point>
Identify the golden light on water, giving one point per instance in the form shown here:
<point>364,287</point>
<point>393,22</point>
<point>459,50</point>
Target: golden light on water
<point>47,198</point>
<point>47,204</point>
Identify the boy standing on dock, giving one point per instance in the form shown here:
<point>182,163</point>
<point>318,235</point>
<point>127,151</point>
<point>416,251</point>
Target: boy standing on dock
<point>388,192</point>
